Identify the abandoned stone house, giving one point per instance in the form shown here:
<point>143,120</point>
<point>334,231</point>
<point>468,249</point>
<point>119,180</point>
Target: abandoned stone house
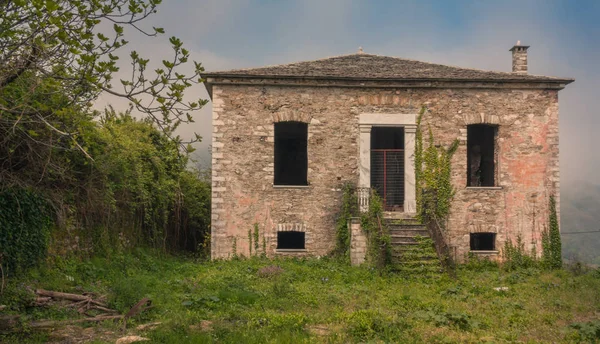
<point>286,138</point>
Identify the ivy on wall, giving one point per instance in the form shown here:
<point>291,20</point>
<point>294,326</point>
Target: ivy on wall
<point>433,175</point>
<point>551,243</point>
<point>348,210</point>
<point>516,256</point>
<point>379,250</point>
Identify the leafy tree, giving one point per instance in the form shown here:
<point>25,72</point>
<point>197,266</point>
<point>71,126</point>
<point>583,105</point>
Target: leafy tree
<point>70,48</point>
<point>107,177</point>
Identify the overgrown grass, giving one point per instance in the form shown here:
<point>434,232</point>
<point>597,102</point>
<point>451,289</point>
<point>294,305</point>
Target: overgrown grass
<point>323,300</point>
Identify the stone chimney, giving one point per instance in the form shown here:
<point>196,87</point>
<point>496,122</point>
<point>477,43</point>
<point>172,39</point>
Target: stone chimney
<point>519,58</point>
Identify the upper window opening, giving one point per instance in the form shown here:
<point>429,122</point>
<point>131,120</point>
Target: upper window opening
<point>483,241</point>
<point>481,153</point>
<point>291,158</point>
<point>387,138</point>
<point>291,240</point>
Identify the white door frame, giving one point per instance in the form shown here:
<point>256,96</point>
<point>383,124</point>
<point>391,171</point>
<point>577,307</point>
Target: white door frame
<point>409,122</point>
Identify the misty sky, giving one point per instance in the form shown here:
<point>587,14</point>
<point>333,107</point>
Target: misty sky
<point>564,38</point>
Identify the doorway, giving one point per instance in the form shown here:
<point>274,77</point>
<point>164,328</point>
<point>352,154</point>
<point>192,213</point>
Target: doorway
<point>387,166</point>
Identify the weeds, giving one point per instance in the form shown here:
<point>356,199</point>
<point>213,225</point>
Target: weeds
<point>256,300</point>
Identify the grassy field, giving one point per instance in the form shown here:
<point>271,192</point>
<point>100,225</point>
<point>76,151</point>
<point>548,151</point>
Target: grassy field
<point>317,300</point>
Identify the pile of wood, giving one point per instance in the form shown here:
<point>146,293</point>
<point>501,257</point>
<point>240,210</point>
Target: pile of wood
<point>84,304</point>
<point>90,305</point>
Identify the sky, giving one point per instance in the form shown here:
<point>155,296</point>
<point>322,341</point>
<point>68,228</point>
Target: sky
<point>564,37</point>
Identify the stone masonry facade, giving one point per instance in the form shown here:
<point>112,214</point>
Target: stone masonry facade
<point>243,136</point>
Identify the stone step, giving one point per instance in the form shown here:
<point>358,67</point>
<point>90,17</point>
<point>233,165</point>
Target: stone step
<point>419,270</point>
<point>415,263</point>
<point>404,240</point>
<point>413,246</point>
<point>402,222</point>
<point>412,255</point>
<point>396,215</point>
<point>410,232</point>
<point>411,238</point>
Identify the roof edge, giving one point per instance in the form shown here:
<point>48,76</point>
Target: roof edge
<point>205,76</point>
<point>341,82</point>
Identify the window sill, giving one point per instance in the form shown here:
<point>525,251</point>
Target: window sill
<point>477,188</point>
<point>484,252</point>
<point>290,250</point>
<point>291,186</point>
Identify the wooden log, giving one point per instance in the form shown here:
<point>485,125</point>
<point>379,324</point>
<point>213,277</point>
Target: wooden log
<point>41,301</point>
<point>68,296</point>
<point>138,307</point>
<point>55,323</point>
<point>104,309</point>
<point>59,295</point>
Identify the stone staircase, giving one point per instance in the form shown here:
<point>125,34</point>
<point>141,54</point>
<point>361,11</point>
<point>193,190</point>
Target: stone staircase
<point>412,249</point>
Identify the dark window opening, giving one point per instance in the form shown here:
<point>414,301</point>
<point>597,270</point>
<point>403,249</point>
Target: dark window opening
<point>291,158</point>
<point>387,166</point>
<point>483,241</point>
<point>290,240</point>
<point>481,140</point>
<point>387,138</point>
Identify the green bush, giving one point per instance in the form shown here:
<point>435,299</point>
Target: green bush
<point>516,257</point>
<point>24,229</point>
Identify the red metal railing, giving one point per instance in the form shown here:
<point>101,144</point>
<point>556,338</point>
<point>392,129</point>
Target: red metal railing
<point>387,176</point>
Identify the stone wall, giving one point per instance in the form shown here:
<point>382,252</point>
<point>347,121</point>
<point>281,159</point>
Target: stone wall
<point>243,135</point>
<point>358,242</point>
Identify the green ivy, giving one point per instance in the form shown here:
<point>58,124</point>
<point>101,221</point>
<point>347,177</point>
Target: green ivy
<point>379,251</point>
<point>433,176</point>
<point>24,229</point>
<point>256,237</point>
<point>551,243</point>
<point>349,210</point>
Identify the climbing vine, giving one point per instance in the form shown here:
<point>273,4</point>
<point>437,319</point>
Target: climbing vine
<point>379,251</point>
<point>433,175</point>
<point>348,210</point>
<point>551,244</point>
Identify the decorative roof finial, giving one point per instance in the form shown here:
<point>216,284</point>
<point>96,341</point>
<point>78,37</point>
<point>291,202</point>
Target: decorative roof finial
<point>518,42</point>
<point>360,50</point>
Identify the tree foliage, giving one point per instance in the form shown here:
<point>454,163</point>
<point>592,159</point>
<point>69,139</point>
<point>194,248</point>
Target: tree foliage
<point>110,180</point>
<point>70,49</point>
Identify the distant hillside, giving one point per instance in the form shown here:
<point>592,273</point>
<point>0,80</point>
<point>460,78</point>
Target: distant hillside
<point>580,211</point>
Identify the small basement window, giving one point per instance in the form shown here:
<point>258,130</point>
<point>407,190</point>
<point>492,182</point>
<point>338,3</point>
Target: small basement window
<point>481,154</point>
<point>483,241</point>
<point>291,158</point>
<point>291,240</point>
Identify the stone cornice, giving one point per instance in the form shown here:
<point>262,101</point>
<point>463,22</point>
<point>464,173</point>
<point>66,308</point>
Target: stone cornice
<point>554,84</point>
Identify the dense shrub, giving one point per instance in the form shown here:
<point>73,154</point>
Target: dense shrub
<point>135,189</point>
<point>24,228</point>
